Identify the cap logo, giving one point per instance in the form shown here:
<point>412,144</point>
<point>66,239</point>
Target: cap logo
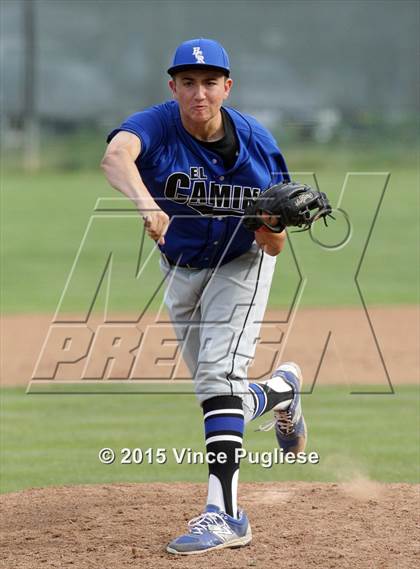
<point>198,54</point>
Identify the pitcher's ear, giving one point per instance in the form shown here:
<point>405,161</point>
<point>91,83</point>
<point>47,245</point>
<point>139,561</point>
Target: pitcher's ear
<point>172,86</point>
<point>228,87</point>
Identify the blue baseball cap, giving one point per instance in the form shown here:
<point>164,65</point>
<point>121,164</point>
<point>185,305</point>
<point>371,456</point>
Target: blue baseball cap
<point>200,53</point>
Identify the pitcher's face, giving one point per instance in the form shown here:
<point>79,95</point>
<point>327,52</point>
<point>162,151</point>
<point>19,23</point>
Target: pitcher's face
<point>200,93</point>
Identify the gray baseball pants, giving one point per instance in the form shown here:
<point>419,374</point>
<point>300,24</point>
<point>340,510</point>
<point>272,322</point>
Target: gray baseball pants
<point>217,315</point>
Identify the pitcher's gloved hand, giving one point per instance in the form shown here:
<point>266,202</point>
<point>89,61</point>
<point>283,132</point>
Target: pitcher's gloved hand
<point>289,204</point>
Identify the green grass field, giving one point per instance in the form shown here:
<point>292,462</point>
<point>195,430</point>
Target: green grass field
<point>55,439</point>
<point>46,216</point>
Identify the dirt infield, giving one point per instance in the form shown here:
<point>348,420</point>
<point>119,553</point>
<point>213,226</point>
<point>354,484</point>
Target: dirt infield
<point>333,346</point>
<point>295,525</point>
<point>358,524</point>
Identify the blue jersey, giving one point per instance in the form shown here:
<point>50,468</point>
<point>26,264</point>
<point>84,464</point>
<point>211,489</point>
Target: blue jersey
<point>190,183</point>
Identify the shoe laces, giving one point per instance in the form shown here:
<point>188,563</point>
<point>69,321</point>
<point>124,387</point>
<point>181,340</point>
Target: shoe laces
<point>203,522</point>
<point>284,421</point>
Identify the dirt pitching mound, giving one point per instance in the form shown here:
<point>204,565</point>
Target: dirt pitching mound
<point>351,525</point>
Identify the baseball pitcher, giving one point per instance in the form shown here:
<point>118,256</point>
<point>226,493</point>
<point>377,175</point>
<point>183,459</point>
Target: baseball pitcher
<point>214,193</point>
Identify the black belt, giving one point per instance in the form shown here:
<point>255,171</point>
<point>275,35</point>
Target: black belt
<point>182,265</point>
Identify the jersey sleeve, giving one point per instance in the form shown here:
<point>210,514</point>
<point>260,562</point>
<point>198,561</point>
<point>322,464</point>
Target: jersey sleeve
<point>148,126</point>
<point>279,170</point>
<point>269,148</point>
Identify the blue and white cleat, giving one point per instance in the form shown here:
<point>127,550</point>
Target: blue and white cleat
<point>290,425</point>
<point>213,529</point>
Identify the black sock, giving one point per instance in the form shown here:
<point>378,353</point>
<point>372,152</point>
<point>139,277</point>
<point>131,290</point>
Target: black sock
<point>224,427</point>
<point>265,398</point>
